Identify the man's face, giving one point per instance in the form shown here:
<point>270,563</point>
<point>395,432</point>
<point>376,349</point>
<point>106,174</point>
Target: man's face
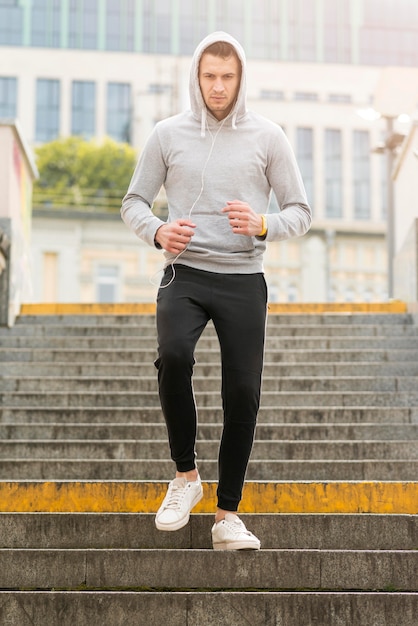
<point>219,81</point>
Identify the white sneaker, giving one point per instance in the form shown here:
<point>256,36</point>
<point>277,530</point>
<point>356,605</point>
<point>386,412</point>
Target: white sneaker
<point>182,495</point>
<point>231,534</point>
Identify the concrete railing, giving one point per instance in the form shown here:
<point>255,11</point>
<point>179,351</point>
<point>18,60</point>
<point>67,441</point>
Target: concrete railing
<point>406,270</point>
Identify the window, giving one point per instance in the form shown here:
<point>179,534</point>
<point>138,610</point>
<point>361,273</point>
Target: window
<point>304,153</point>
<point>120,25</point>
<point>304,95</point>
<point>361,174</point>
<point>8,97</point>
<point>193,24</point>
<point>119,111</point>
<point>47,109</point>
<point>302,30</point>
<point>46,23</point>
<point>83,109</point>
<point>333,174</point>
<point>388,33</point>
<point>292,293</point>
<point>83,23</point>
<point>337,31</point>
<point>156,25</point>
<point>11,23</point>
<point>107,283</point>
<point>271,94</point>
<point>341,98</point>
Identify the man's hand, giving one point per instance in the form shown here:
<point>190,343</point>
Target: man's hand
<point>175,236</point>
<point>242,218</point>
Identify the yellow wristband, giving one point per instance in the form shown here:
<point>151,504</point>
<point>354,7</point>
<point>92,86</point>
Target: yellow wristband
<point>263,226</point>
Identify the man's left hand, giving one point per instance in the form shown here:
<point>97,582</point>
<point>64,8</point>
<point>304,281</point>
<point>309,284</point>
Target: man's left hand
<point>243,220</point>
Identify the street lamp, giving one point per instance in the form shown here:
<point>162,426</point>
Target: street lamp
<point>389,146</point>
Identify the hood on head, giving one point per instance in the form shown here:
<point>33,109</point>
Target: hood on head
<point>197,103</point>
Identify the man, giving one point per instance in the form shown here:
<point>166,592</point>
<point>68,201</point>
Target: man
<point>218,163</point>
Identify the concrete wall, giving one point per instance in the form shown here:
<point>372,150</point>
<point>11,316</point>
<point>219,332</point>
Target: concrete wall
<point>17,172</point>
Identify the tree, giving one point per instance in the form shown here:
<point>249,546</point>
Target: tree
<point>79,174</point>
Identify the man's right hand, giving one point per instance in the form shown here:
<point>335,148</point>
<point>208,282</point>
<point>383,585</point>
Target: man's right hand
<point>175,236</point>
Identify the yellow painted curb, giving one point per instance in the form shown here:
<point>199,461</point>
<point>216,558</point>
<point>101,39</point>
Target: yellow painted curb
<point>144,308</point>
<point>55,308</point>
<point>338,307</point>
<point>259,497</point>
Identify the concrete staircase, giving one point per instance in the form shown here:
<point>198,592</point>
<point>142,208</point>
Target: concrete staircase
<point>332,486</point>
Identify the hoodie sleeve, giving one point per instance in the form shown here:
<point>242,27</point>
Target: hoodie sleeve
<point>146,182</point>
<point>295,215</point>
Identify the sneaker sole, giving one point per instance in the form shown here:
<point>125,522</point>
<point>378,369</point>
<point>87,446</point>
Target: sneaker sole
<point>181,522</point>
<point>236,545</point>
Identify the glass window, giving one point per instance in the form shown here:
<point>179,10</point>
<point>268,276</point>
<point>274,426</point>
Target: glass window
<point>11,23</point>
<point>193,24</point>
<point>230,17</point>
<point>306,95</point>
<point>8,97</point>
<point>83,109</point>
<point>342,98</point>
<point>119,111</point>
<point>45,23</point>
<point>361,174</point>
<point>271,94</point>
<point>302,30</point>
<point>337,31</point>
<point>157,17</point>
<point>120,25</point>
<point>107,283</point>
<point>389,32</point>
<point>83,24</point>
<point>304,154</point>
<point>333,173</point>
<point>47,109</point>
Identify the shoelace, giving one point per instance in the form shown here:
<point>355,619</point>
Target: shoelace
<point>174,497</point>
<point>237,527</point>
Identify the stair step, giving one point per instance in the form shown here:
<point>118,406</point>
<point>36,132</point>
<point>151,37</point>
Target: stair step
<point>281,531</point>
<point>101,495</point>
<point>265,431</point>
<point>275,328</point>
<point>202,384</point>
<point>150,469</point>
<point>208,399</point>
<point>286,415</point>
<point>21,369</point>
<point>199,608</point>
<point>130,356</point>
<point>267,451</point>
<point>367,570</point>
<point>209,343</point>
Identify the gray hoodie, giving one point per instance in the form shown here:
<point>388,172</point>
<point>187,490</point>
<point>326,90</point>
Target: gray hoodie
<point>203,163</point>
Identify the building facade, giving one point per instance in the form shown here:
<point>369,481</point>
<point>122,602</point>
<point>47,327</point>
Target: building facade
<point>116,68</point>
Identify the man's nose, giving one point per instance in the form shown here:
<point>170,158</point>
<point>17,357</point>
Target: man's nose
<point>218,86</point>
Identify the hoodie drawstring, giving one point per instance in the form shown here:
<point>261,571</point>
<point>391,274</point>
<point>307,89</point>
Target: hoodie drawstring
<point>203,123</point>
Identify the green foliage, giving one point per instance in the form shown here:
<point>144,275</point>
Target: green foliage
<point>83,175</point>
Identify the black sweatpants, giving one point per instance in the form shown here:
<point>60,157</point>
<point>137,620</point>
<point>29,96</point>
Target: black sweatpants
<point>237,305</point>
